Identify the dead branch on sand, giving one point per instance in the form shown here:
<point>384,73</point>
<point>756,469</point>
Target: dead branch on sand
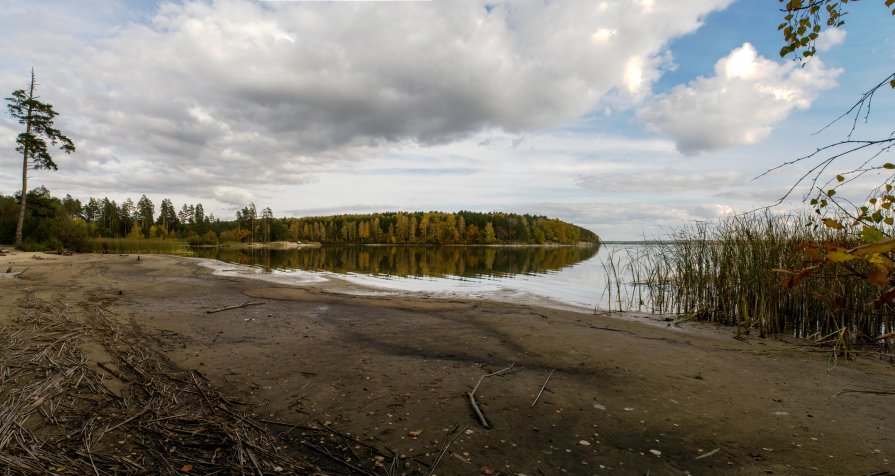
<point>447,444</point>
<point>240,306</point>
<point>535,402</point>
<point>471,395</point>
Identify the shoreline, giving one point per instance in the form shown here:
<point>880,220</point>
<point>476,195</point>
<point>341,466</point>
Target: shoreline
<point>394,372</point>
<point>294,245</point>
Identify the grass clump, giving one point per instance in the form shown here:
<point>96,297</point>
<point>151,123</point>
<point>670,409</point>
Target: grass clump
<point>732,273</point>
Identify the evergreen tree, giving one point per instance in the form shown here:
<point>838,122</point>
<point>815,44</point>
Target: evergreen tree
<point>145,213</point>
<point>37,117</point>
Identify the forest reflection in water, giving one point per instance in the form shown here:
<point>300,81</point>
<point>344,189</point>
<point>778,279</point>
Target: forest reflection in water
<point>410,261</point>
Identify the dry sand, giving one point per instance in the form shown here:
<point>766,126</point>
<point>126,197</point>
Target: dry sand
<point>626,396</point>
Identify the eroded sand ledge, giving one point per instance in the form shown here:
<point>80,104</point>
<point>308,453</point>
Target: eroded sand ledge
<point>625,396</point>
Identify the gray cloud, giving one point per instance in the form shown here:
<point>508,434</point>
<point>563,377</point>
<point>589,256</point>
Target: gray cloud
<point>345,209</point>
<point>199,95</point>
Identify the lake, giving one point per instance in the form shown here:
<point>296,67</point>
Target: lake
<point>569,275</point>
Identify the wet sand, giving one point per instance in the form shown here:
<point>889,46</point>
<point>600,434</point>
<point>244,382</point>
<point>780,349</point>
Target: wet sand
<point>629,395</point>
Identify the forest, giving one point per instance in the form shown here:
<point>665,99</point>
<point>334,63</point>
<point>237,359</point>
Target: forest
<point>55,223</point>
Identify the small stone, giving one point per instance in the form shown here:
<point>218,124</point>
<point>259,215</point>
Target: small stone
<point>584,443</point>
<point>656,452</point>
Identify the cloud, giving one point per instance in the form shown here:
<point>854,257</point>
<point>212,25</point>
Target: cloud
<point>740,104</point>
<point>346,209</point>
<point>235,93</point>
<point>629,219</point>
<point>233,196</point>
<point>665,181</point>
<point>830,38</point>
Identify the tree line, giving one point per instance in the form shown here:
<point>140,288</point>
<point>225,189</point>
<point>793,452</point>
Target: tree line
<point>439,228</point>
<point>52,223</point>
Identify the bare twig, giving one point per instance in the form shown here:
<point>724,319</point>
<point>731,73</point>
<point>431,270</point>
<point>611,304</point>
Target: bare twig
<point>871,392</point>
<point>445,447</point>
<point>471,395</point>
<point>535,402</point>
<point>228,308</point>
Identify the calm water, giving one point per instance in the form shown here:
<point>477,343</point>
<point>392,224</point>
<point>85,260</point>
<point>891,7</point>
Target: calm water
<point>568,275</point>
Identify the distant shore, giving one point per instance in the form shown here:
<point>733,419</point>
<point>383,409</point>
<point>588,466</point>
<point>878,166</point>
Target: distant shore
<point>295,245</point>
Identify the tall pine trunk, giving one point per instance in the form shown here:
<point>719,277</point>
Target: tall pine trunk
<point>24,201</point>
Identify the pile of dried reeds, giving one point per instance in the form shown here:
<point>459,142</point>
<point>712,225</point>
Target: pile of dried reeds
<point>59,414</point>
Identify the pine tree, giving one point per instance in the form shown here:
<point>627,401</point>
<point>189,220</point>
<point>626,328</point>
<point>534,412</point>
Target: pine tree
<point>37,117</point>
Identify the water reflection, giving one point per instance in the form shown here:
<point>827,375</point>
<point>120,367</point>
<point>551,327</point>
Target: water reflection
<point>410,261</point>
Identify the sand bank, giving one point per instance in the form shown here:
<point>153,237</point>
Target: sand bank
<point>625,396</point>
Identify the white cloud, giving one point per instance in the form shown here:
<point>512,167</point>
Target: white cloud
<point>740,104</point>
<point>830,38</point>
<point>631,220</point>
<point>665,181</point>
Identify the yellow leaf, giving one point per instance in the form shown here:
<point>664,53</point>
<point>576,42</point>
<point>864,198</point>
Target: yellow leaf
<point>837,253</point>
<point>831,223</point>
<point>881,246</point>
<point>186,468</point>
<point>881,261</point>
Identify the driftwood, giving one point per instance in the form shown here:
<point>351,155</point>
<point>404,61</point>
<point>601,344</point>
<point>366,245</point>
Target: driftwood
<point>471,395</point>
<point>706,455</point>
<point>884,336</point>
<point>12,274</point>
<point>870,392</point>
<point>228,308</point>
<point>535,402</point>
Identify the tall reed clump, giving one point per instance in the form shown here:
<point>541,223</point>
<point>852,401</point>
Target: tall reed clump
<point>730,273</point>
<point>131,245</point>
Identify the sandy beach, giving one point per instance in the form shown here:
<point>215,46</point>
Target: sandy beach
<point>390,375</point>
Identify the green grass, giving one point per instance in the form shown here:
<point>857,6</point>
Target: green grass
<point>725,274</point>
<point>144,246</point>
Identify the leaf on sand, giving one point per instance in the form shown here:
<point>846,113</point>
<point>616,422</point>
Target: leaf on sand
<point>415,434</point>
<point>487,470</point>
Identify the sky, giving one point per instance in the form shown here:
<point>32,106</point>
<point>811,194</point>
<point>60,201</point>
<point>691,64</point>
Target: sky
<point>630,117</point>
